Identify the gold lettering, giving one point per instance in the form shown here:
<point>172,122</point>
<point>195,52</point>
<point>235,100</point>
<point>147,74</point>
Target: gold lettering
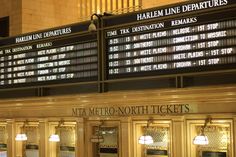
<point>176,108</point>
<point>186,108</point>
<point>131,110</point>
<point>144,109</point>
<point>91,111</point>
<point>163,109</point>
<point>74,111</point>
<point>168,109</point>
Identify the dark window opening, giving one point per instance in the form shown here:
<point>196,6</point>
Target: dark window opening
<point>4,27</point>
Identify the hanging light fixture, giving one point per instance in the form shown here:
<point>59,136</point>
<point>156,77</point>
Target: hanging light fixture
<point>98,137</point>
<point>55,137</point>
<point>92,27</point>
<point>22,136</point>
<point>146,139</point>
<point>202,139</point>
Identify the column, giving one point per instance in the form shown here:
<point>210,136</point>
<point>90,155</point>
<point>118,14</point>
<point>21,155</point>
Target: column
<point>43,132</point>
<point>178,138</point>
<point>80,138</point>
<point>234,135</point>
<point>11,138</point>
<point>125,132</point>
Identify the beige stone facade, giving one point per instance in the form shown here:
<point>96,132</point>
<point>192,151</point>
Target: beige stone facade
<point>42,14</point>
<point>79,129</point>
<point>28,16</point>
<point>177,106</point>
<point>153,3</point>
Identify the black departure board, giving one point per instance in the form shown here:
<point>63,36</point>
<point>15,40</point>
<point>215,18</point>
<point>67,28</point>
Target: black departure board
<point>186,43</point>
<point>184,38</point>
<point>70,59</point>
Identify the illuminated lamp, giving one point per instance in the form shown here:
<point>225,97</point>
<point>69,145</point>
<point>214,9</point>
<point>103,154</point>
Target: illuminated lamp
<point>202,139</point>
<point>146,139</point>
<point>22,136</point>
<point>55,137</point>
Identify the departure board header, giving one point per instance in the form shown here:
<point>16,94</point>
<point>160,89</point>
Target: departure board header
<point>50,33</point>
<point>181,9</point>
<point>170,10</point>
<point>43,35</point>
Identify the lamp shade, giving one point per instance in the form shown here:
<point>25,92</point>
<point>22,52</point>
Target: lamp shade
<point>145,139</point>
<point>201,140</point>
<point>92,26</point>
<point>21,137</point>
<point>97,139</point>
<point>54,138</point>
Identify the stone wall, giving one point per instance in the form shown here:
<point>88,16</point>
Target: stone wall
<point>43,14</point>
<point>33,15</point>
<point>12,8</point>
<point>149,4</point>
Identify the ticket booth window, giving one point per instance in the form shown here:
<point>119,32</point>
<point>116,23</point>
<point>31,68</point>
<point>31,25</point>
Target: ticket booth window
<point>31,146</point>
<point>219,142</point>
<point>62,139</point>
<point>66,146</point>
<point>31,150</point>
<point>27,139</point>
<point>160,135</point>
<point>3,141</point>
<point>219,139</point>
<point>160,145</point>
<point>105,141</point>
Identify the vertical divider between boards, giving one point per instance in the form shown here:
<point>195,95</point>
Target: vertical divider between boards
<point>104,60</point>
<point>101,56</point>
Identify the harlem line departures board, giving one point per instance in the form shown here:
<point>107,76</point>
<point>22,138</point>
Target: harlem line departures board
<point>73,59</point>
<point>186,43</point>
